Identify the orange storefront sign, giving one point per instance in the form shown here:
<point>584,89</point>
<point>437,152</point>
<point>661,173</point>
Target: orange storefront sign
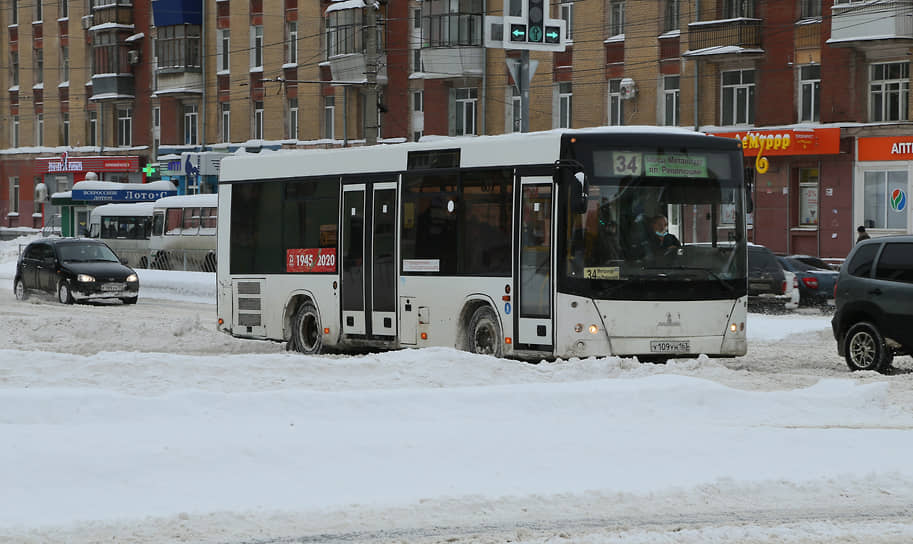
<point>813,141</point>
<point>761,143</point>
<point>886,148</point>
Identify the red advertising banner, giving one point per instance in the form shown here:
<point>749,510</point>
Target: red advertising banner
<point>311,260</point>
<point>885,148</point>
<point>812,141</point>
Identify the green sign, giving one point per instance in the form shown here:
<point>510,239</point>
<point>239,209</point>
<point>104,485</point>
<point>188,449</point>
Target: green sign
<point>518,33</point>
<point>552,34</point>
<point>535,33</point>
<point>674,165</point>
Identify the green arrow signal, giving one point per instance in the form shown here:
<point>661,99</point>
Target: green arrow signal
<point>552,35</point>
<point>517,33</point>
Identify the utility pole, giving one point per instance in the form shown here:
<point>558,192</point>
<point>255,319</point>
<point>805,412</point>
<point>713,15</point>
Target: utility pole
<point>371,73</point>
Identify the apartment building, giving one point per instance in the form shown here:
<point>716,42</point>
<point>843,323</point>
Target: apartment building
<point>817,90</point>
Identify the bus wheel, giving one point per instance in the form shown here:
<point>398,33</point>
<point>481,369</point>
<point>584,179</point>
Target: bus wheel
<point>306,334</point>
<point>485,332</point>
<point>209,263</point>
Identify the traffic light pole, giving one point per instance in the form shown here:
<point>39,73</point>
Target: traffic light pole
<point>523,86</point>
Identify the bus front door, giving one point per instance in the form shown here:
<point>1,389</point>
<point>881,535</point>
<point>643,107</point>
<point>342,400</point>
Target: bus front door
<point>534,297</point>
<point>369,259</point>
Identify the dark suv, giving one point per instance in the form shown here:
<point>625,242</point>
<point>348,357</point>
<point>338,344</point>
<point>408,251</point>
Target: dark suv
<point>766,279</point>
<point>873,321</point>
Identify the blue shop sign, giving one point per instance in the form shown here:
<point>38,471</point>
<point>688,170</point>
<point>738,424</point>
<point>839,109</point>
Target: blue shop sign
<point>119,195</point>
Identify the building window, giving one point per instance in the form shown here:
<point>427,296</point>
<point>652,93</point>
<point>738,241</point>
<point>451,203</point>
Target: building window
<point>616,104</point>
<point>671,15</point>
<point>448,23</point>
<point>738,97</point>
<point>191,120</point>
<point>616,18</point>
<point>293,118</point>
<point>258,121</point>
<point>810,8</point>
<point>177,46</point>
<point>14,67</point>
<point>64,63</point>
<point>291,42</point>
<point>156,129</point>
<point>809,92</point>
<point>738,8</point>
<point>417,135</point>
<point>808,197</point>
<point>38,57</point>
<point>65,128</point>
<point>92,129</point>
<point>670,100</point>
<point>225,121</point>
<point>565,104</point>
<point>14,15</point>
<point>418,101</point>
<point>417,19</point>
<point>38,12</point>
<point>64,8</point>
<point>417,60</point>
<point>14,131</point>
<point>39,129</point>
<point>889,91</point>
<point>329,116</point>
<point>256,47</point>
<point>223,49</point>
<point>466,99</point>
<point>344,32</point>
<point>14,195</point>
<point>124,126</point>
<point>885,191</point>
<point>567,14</point>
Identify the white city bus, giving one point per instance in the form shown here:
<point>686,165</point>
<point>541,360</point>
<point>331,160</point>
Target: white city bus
<point>125,228</point>
<point>529,246</point>
<point>184,233</point>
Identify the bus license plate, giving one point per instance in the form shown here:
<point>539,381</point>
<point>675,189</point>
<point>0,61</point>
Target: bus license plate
<point>670,346</point>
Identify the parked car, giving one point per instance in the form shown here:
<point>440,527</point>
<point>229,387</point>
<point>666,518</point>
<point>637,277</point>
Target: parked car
<point>74,269</point>
<point>768,288</point>
<point>873,321</point>
<point>792,289</point>
<point>816,262</point>
<point>816,285</point>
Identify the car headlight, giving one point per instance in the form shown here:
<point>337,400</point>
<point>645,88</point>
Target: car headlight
<point>132,278</point>
<point>84,278</point>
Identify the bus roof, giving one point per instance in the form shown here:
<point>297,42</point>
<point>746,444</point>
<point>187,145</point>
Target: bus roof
<point>210,200</point>
<point>121,210</point>
<point>512,149</point>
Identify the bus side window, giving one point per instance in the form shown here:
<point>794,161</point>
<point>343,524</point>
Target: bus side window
<point>173,221</point>
<point>191,221</point>
<point>158,224</point>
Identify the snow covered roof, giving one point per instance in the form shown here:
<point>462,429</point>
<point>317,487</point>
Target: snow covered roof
<point>94,185</point>
<point>210,200</point>
<point>121,210</point>
<point>345,4</point>
<point>722,50</point>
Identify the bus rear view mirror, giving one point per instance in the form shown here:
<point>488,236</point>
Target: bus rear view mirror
<point>578,192</point>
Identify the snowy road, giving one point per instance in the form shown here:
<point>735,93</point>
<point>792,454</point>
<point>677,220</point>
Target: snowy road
<point>142,424</point>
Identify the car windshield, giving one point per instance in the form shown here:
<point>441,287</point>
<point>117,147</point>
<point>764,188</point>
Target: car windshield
<point>85,253</point>
<point>799,266</point>
<point>814,262</point>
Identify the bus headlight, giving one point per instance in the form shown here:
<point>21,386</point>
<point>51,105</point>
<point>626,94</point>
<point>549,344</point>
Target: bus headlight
<point>132,278</point>
<point>84,278</point>
<point>593,329</point>
<point>733,327</point>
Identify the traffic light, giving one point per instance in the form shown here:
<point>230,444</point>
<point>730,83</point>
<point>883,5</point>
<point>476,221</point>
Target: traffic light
<point>536,19</point>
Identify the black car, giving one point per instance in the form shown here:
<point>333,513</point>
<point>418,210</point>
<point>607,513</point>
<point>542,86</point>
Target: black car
<point>74,269</point>
<point>816,285</point>
<point>873,321</point>
<point>767,285</point>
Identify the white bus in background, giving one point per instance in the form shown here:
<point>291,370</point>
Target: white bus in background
<point>126,228</point>
<point>184,233</point>
<point>526,245</point>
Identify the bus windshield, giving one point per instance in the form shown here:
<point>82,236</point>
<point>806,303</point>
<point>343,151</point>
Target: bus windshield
<point>658,224</point>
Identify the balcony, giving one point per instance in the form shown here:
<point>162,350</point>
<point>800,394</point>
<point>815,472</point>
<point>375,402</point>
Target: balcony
<point>864,24</point>
<point>346,53</point>
<point>726,37</point>
<point>452,44</point>
<point>353,68</point>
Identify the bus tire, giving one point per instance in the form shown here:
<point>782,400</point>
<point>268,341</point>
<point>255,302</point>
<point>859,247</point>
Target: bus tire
<point>209,263</point>
<point>307,334</point>
<point>485,332</point>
